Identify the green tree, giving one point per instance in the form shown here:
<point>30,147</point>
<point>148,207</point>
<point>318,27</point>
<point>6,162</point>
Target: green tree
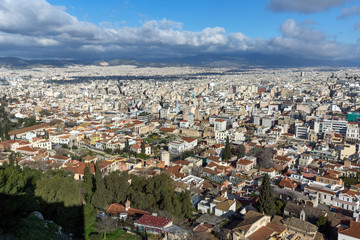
<point>279,206</point>
<point>59,188</point>
<point>11,159</point>
<point>6,131</point>
<point>239,151</point>
<point>127,147</point>
<point>118,191</point>
<point>1,132</point>
<point>98,174</point>
<point>323,224</point>
<point>187,154</point>
<point>143,147</point>
<point>89,219</point>
<point>186,205</point>
<point>20,123</point>
<point>108,150</point>
<point>101,198</point>
<point>227,150</point>
<point>88,184</point>
<point>30,122</point>
<point>266,199</point>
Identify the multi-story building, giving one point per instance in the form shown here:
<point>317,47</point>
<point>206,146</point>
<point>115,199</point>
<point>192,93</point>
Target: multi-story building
<point>302,131</point>
<point>219,125</point>
<point>336,125</point>
<point>352,132</point>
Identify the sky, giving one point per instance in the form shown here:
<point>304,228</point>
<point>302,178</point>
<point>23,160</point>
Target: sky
<point>140,29</point>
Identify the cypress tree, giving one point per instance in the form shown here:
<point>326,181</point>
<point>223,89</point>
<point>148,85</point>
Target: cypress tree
<point>143,147</point>
<point>88,183</point>
<point>97,174</point>
<point>127,147</point>
<point>267,200</point>
<point>227,151</point>
<point>1,132</point>
<point>6,132</point>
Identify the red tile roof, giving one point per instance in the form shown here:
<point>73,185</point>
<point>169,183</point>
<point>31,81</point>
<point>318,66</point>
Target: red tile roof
<point>153,221</point>
<point>244,162</point>
<point>117,208</point>
<point>287,183</point>
<point>78,167</point>
<point>167,129</point>
<point>352,231</point>
<point>188,139</point>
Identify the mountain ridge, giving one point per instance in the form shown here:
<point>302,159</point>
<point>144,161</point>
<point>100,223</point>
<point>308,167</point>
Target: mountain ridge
<point>244,60</point>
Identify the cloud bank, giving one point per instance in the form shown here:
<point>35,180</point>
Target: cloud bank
<point>36,29</point>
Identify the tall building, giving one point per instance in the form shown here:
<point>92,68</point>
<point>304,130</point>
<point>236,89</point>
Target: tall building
<point>165,157</point>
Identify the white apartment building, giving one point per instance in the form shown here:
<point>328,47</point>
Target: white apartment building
<point>336,125</point>
<point>302,131</point>
<point>352,132</point>
<point>177,147</point>
<point>348,199</point>
<point>219,125</point>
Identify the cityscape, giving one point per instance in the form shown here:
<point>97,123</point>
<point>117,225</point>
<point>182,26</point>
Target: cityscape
<point>224,143</point>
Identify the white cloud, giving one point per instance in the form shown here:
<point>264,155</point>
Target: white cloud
<point>290,28</point>
<point>36,28</point>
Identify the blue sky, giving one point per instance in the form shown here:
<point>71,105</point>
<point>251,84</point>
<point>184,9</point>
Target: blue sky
<point>252,17</point>
<point>323,29</point>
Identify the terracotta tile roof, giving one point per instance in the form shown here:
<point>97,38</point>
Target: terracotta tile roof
<point>26,148</point>
<point>167,129</point>
<point>59,157</point>
<point>78,167</point>
<point>261,234</point>
<point>209,171</point>
<point>287,183</point>
<point>153,221</point>
<point>282,158</point>
<point>244,162</point>
<point>103,164</point>
<point>213,158</point>
<point>188,139</point>
<point>175,170</point>
<point>181,162</point>
<point>117,208</point>
<point>28,129</point>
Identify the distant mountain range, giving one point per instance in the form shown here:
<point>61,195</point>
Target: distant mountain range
<point>13,62</point>
<point>245,60</point>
